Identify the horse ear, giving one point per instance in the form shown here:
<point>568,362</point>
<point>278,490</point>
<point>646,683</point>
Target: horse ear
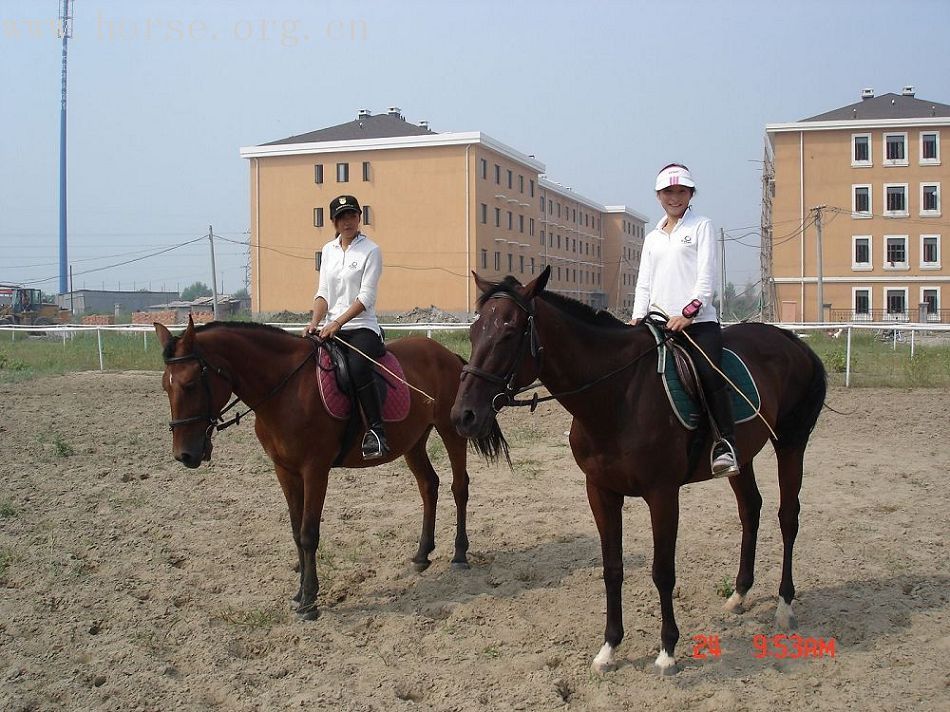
<point>533,288</point>
<point>164,335</point>
<point>188,337</point>
<point>483,285</point>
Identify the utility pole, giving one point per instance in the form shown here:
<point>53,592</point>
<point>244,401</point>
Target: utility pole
<point>722,271</point>
<point>821,283</point>
<point>65,31</point>
<point>214,272</point>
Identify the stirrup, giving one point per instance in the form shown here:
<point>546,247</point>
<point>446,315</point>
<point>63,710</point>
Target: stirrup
<point>374,445</point>
<point>724,464</point>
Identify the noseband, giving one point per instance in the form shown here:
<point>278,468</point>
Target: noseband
<point>212,420</point>
<point>528,342</point>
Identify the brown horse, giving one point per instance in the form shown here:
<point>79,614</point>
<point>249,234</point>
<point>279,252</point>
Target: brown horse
<point>273,373</point>
<point>624,435</point>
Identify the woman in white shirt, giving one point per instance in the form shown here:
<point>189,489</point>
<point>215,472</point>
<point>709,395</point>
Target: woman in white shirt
<point>345,303</point>
<point>677,273</point>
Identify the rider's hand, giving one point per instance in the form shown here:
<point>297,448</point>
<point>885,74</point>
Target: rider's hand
<point>310,329</point>
<point>678,323</point>
<point>330,329</point>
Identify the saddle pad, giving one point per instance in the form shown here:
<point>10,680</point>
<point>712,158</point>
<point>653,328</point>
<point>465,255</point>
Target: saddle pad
<point>689,411</point>
<point>395,405</point>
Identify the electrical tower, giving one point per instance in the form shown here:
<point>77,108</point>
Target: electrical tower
<point>765,228</point>
<point>65,32</point>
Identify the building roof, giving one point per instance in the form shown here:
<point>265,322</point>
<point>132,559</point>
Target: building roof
<point>886,106</point>
<point>365,126</point>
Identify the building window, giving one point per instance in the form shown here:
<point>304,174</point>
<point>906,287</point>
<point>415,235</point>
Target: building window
<point>895,199</point>
<point>509,179</point>
<point>860,150</point>
<point>497,261</point>
<point>930,296</point>
<point>365,170</point>
<point>318,217</point>
<point>521,186</point>
<point>318,173</point>
<point>521,223</point>
<point>521,263</point>
<point>342,172</point>
<point>497,217</point>
<point>930,251</point>
<point>484,259</point>
<point>542,237</point>
<point>930,199</point>
<point>483,214</point>
<point>531,192</point>
<point>861,253</point>
<point>860,201</point>
<point>895,149</point>
<point>861,304</point>
<point>510,270</point>
<point>532,265</point>
<point>367,216</point>
<point>895,252</point>
<point>497,174</point>
<point>510,220</point>
<point>929,147</point>
<point>483,169</point>
<point>896,301</point>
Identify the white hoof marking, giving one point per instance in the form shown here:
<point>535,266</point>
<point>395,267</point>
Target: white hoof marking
<point>604,662</point>
<point>665,663</point>
<point>734,603</point>
<point>784,615</point>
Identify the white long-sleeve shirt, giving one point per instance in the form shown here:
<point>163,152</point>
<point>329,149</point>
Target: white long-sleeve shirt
<point>348,275</point>
<point>677,268</point>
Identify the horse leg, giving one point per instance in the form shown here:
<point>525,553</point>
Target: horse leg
<point>750,506</point>
<point>664,516</point>
<point>607,508</point>
<point>428,481</point>
<point>457,449</point>
<point>292,487</point>
<point>314,495</point>
<point>790,471</point>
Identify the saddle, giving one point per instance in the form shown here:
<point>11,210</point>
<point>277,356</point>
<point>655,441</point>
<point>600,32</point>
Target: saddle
<point>682,385</point>
<point>339,395</point>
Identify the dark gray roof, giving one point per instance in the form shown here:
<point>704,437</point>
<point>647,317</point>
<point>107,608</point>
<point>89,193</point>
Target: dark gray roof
<point>378,126</point>
<point>886,106</point>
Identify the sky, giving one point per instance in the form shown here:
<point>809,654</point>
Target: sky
<point>163,94</point>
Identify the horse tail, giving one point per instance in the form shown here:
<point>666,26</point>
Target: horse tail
<point>794,428</point>
<point>492,446</point>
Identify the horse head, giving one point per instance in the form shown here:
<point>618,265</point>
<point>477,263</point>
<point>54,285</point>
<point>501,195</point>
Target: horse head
<point>196,392</point>
<point>505,352</point>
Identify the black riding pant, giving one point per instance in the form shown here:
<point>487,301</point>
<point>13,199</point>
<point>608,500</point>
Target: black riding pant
<point>708,336</point>
<point>370,343</point>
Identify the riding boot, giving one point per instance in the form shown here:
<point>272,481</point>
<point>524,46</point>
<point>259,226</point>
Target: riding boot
<point>374,442</point>
<point>724,458</point>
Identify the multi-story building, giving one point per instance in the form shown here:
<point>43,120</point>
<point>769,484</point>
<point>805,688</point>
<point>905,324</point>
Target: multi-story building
<point>440,205</point>
<point>856,218</point>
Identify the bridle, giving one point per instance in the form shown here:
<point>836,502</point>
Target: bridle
<point>216,422</point>
<point>529,339</point>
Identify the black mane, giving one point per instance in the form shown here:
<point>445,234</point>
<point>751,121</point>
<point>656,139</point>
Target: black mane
<point>169,350</point>
<point>571,307</point>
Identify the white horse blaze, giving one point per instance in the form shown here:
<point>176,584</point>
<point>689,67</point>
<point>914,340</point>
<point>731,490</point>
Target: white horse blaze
<point>604,660</point>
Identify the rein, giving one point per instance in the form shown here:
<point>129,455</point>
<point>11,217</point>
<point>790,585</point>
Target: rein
<point>217,422</point>
<point>530,337</point>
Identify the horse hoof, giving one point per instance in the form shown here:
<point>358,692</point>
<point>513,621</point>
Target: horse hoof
<point>665,664</point>
<point>310,613</point>
<point>785,618</point>
<point>734,604</point>
<point>604,662</point>
<point>421,566</point>
<point>461,565</point>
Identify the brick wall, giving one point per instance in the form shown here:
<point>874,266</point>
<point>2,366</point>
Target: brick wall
<point>98,320</point>
<point>166,317</point>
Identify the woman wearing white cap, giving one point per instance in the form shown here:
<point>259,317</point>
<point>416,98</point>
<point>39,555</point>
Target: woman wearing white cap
<point>677,273</point>
<point>346,297</point>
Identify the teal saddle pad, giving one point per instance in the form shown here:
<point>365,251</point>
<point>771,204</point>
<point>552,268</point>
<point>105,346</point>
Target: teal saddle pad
<point>688,411</point>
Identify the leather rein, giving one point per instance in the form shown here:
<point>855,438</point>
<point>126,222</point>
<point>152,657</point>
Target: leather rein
<point>217,422</point>
<point>530,340</point>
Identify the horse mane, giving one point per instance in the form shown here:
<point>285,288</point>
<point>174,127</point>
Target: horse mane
<point>169,349</point>
<point>571,307</point>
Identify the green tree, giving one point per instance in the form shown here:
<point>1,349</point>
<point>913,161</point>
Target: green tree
<point>193,291</point>
<point>241,294</point>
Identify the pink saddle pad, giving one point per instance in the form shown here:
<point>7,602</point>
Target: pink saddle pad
<point>396,405</point>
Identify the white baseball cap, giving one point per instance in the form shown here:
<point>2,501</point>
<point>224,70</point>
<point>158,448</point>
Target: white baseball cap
<point>674,175</point>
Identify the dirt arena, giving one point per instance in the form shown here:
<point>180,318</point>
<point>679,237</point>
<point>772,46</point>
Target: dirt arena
<point>130,583</point>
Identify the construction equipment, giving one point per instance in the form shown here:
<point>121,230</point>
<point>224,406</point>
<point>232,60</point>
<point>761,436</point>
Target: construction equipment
<point>21,305</point>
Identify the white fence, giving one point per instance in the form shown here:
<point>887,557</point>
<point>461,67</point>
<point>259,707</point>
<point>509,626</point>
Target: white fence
<point>902,333</point>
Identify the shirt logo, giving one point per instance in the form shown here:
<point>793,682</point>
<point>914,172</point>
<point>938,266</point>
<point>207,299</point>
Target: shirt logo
<point>353,264</point>
<point>687,240</point>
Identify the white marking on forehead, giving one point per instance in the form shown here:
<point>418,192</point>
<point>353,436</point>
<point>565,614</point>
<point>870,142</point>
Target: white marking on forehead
<point>169,379</point>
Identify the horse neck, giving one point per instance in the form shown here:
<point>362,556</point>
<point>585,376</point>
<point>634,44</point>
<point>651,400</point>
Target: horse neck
<point>255,360</point>
<point>577,354</point>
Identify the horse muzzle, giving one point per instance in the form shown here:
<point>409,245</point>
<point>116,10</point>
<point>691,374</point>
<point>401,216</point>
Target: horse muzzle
<point>471,423</point>
<point>193,457</point>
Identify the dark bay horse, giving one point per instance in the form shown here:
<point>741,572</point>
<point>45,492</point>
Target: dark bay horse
<point>273,372</point>
<point>625,436</point>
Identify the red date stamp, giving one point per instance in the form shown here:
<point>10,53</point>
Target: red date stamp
<point>779,646</point>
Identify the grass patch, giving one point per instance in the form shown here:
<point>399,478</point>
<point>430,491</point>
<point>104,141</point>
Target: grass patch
<point>259,618</point>
<point>724,588</point>
<point>7,509</point>
<point>6,558</point>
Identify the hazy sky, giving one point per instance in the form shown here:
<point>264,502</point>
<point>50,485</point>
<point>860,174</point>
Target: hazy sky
<point>163,94</point>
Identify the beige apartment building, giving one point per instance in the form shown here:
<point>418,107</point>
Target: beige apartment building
<point>440,205</point>
<point>867,178</point>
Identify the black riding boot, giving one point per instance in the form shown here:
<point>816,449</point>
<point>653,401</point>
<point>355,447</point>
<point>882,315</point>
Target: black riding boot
<point>374,442</point>
<point>725,459</point>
